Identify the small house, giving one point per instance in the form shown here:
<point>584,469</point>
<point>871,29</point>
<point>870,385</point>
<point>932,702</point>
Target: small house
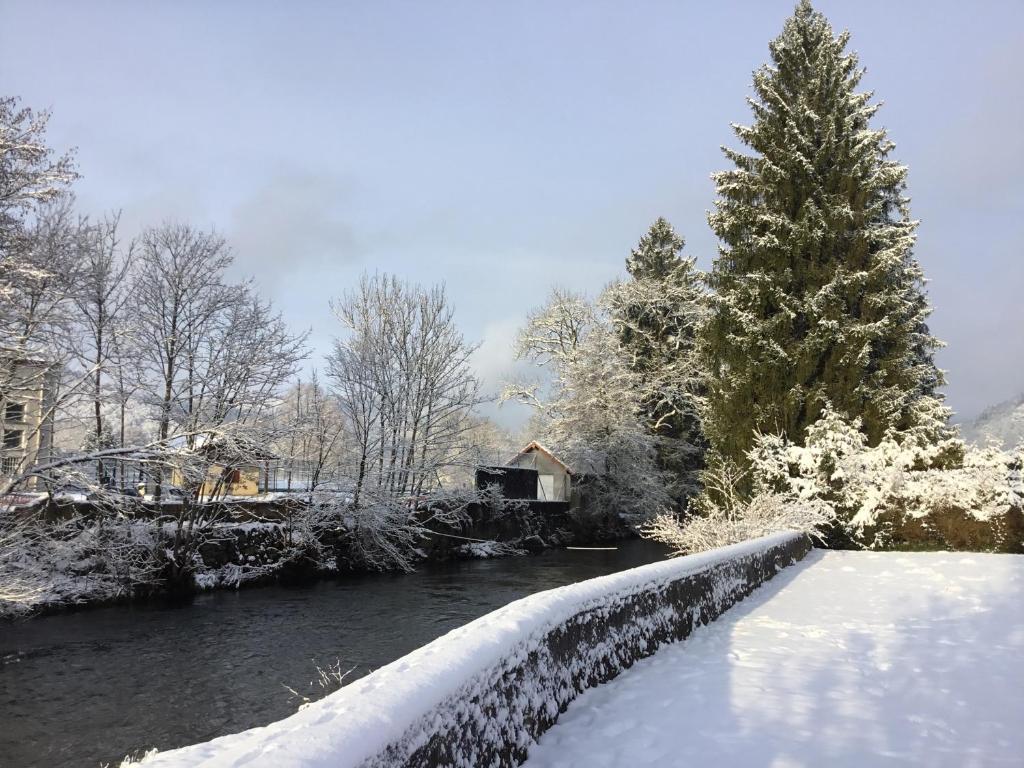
<point>511,482</point>
<point>241,480</point>
<point>554,478</point>
<point>234,469</point>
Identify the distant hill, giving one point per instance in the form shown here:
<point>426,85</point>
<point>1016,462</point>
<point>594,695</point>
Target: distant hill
<point>1003,423</point>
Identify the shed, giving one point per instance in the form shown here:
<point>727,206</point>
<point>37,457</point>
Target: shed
<point>554,478</point>
<point>514,482</point>
<point>234,467</point>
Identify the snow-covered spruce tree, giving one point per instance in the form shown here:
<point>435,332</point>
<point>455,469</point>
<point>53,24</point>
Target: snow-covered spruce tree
<point>817,295</point>
<point>657,315</point>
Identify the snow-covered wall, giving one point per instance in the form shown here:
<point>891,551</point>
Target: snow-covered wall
<point>483,693</point>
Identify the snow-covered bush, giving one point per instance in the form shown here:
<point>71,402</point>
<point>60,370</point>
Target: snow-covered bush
<point>327,681</point>
<point>481,550</point>
<point>75,561</point>
<point>724,515</point>
<point>925,491</point>
<point>763,515</point>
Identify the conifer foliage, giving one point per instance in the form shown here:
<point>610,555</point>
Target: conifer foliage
<point>657,314</point>
<point>818,298</point>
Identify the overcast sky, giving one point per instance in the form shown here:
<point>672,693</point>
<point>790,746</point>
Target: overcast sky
<point>506,147</point>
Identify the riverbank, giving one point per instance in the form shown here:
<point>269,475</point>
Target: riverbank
<point>85,561</point>
<point>75,577</point>
<point>482,694</point>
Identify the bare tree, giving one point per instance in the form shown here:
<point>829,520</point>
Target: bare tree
<point>38,324</point>
<point>179,292</point>
<point>30,175</point>
<point>316,437</point>
<point>593,410</point>
<point>549,339</point>
<point>406,389</point>
<point>34,225</point>
<point>236,369</point>
<point>126,375</point>
<point>38,301</point>
<point>405,381</point>
<point>100,299</point>
<point>216,358</point>
<point>312,442</point>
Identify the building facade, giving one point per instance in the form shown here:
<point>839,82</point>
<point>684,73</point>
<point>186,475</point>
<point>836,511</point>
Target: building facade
<point>26,415</point>
<point>554,478</point>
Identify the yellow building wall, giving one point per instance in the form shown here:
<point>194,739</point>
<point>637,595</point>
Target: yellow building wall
<point>248,482</point>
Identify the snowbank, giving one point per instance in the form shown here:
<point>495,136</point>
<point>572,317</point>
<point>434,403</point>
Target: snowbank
<point>483,693</point>
<point>852,659</point>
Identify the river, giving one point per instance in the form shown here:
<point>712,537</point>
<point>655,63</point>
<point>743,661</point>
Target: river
<point>87,688</point>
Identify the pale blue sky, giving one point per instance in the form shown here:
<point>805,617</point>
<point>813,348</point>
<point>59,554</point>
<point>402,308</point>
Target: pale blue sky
<point>503,148</point>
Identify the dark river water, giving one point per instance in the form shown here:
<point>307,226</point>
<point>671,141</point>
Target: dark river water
<point>88,688</point>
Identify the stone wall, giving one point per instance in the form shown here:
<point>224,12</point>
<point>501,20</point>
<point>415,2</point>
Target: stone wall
<point>485,692</point>
<point>520,701</point>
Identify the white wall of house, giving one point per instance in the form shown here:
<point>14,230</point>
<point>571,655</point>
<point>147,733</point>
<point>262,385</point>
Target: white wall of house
<point>553,482</point>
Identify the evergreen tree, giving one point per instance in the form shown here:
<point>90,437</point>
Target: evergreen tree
<point>657,255</point>
<point>818,297</point>
<point>657,315</point>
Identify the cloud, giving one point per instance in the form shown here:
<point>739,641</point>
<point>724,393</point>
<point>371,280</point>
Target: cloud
<point>494,359</point>
<point>495,364</point>
<point>296,222</point>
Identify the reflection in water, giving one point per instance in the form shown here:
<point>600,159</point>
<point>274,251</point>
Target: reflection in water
<point>90,687</point>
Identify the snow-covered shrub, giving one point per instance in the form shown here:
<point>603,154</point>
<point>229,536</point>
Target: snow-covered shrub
<point>481,550</point>
<point>20,582</point>
<point>725,516</point>
<point>75,561</point>
<point>327,681</point>
<point>497,506</point>
<point>927,490</point>
<point>763,515</point>
<point>137,758</point>
<point>924,491</point>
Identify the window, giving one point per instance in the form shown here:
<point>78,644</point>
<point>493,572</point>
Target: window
<point>235,476</point>
<point>9,465</point>
<point>14,412</point>
<point>12,438</point>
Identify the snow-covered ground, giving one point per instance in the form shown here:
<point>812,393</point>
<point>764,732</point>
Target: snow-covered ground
<point>847,659</point>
